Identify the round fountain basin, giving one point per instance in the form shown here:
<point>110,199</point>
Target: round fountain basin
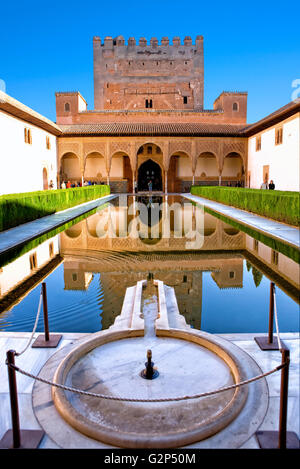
<point>189,364</point>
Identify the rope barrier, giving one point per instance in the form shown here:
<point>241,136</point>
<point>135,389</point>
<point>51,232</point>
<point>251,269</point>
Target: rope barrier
<point>276,321</point>
<point>128,399</point>
<point>34,327</point>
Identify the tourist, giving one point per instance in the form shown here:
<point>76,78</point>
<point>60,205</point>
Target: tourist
<point>69,184</point>
<point>271,185</point>
<point>150,186</point>
<point>51,185</point>
<point>264,185</point>
<point>63,185</point>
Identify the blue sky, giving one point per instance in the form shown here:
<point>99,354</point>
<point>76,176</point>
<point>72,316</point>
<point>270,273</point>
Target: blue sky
<point>248,46</point>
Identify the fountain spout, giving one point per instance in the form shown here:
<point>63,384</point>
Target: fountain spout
<point>149,372</point>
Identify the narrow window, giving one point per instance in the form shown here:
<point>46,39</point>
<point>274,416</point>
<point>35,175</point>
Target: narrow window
<point>278,135</point>
<point>51,250</point>
<point>148,103</point>
<point>255,245</point>
<point>33,261</point>
<point>149,150</point>
<point>231,274</point>
<point>25,135</point>
<point>274,257</point>
<point>48,145</point>
<point>29,137</point>
<point>258,143</point>
<point>185,100</point>
<point>67,107</point>
<point>235,107</point>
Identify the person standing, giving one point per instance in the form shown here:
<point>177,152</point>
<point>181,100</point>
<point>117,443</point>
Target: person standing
<point>271,185</point>
<point>264,185</point>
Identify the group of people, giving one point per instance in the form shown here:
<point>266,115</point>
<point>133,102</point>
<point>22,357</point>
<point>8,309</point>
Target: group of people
<point>270,186</point>
<point>237,184</point>
<point>69,184</point>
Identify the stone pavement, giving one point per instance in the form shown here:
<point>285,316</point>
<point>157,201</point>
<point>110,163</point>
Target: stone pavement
<point>280,231</point>
<point>34,359</point>
<point>21,234</point>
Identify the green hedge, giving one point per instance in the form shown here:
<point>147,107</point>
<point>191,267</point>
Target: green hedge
<point>279,205</point>
<point>16,209</point>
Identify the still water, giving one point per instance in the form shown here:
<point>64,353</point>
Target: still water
<point>221,274</point>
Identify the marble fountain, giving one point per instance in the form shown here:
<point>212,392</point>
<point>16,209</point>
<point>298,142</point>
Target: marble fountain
<point>114,407</point>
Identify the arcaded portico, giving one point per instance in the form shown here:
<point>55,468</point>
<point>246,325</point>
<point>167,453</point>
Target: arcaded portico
<point>172,162</point>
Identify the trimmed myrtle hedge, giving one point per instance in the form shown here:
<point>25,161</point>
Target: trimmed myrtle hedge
<point>16,209</point>
<point>279,205</point>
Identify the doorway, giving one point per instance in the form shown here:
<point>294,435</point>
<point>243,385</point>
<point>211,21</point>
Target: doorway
<point>45,179</point>
<point>149,176</point>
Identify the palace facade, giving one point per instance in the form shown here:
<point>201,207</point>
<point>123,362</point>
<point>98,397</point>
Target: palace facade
<point>149,128</point>
<point>149,123</point>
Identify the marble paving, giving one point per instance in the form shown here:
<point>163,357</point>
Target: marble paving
<point>34,359</point>
<point>21,234</point>
<point>285,233</point>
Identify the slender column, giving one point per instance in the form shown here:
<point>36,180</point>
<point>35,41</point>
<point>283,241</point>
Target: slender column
<point>133,182</point>
<point>166,181</point>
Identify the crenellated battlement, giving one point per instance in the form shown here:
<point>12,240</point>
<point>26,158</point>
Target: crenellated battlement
<point>119,41</point>
<point>152,74</point>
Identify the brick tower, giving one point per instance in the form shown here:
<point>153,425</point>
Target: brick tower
<point>148,76</point>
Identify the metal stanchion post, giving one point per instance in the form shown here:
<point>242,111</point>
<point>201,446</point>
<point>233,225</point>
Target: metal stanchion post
<point>281,439</point>
<point>10,355</point>
<point>267,343</point>
<point>50,341</point>
<point>17,438</point>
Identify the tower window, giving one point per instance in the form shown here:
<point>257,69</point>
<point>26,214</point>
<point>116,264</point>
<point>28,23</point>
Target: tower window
<point>48,145</point>
<point>235,107</point>
<point>148,103</point>
<point>185,100</point>
<point>67,107</point>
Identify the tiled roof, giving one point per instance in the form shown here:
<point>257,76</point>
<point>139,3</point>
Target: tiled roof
<point>272,119</point>
<point>186,129</point>
<point>17,109</point>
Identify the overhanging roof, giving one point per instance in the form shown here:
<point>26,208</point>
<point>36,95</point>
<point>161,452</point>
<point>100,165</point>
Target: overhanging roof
<point>272,119</point>
<point>19,110</point>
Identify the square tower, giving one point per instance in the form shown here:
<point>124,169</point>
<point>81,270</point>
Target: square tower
<point>148,76</point>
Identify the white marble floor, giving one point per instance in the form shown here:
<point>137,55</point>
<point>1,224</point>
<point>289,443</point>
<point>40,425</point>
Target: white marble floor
<point>33,359</point>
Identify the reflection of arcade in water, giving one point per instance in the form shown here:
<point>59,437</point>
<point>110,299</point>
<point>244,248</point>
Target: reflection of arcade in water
<point>122,260</point>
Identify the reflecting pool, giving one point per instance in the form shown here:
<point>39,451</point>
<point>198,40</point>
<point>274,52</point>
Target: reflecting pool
<point>221,274</point>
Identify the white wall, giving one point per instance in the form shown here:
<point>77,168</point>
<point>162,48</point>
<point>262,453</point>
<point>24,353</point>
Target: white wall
<point>21,164</point>
<point>19,270</point>
<point>283,159</point>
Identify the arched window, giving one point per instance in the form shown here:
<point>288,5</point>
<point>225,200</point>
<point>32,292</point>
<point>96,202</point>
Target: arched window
<point>235,107</point>
<point>67,107</point>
